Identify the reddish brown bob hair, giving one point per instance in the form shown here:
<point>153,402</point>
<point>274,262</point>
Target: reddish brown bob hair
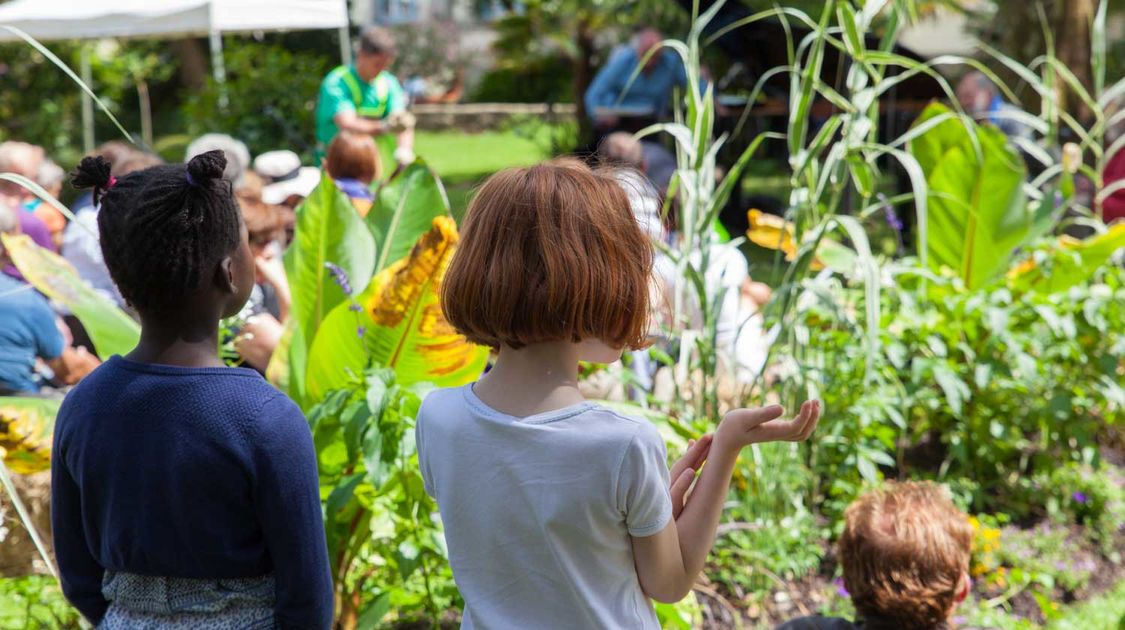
<point>353,155</point>
<point>904,550</point>
<point>551,252</point>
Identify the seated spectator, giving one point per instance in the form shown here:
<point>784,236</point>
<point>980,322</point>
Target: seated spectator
<point>32,332</point>
<point>741,338</point>
<point>80,244</point>
<point>23,159</point>
<point>353,163</point>
<point>905,553</point>
<point>235,151</point>
<point>268,307</point>
<point>286,182</point>
<point>50,177</point>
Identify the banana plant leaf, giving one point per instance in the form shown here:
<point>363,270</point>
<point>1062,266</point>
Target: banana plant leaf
<point>329,230</point>
<point>978,212</point>
<point>404,208</point>
<point>26,428</point>
<point>110,328</point>
<point>397,323</point>
<point>1069,262</point>
<point>773,232</point>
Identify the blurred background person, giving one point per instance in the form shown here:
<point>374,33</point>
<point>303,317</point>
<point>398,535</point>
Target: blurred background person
<point>24,159</point>
<point>285,181</point>
<point>353,163</point>
<point>981,99</point>
<point>614,103</point>
<point>238,156</point>
<point>366,98</point>
<point>32,334</point>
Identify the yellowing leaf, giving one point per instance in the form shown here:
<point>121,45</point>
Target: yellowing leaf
<point>26,428</point>
<point>771,232</point>
<point>400,325</point>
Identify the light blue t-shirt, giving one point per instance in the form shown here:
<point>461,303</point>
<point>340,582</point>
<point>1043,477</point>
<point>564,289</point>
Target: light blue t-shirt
<point>539,511</point>
<point>27,331</point>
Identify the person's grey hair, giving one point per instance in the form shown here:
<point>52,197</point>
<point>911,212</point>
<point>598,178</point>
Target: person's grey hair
<point>9,220</point>
<point>17,156</point>
<point>50,174</point>
<point>376,40</point>
<point>238,156</point>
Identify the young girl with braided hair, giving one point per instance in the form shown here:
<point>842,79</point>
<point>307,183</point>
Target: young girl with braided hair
<point>184,493</point>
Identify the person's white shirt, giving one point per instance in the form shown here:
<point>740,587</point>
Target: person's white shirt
<point>81,248</point>
<point>539,511</point>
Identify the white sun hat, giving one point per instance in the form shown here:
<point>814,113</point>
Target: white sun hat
<point>284,175</point>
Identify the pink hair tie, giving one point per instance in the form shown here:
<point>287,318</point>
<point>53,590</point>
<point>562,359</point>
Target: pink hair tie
<point>112,181</point>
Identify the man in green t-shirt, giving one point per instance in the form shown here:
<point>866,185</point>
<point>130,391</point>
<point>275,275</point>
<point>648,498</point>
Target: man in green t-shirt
<point>362,97</point>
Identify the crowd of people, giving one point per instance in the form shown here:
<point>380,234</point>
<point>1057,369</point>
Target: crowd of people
<point>185,492</point>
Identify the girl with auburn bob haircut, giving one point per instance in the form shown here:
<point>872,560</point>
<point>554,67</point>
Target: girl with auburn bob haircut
<point>550,253</point>
<point>559,512</point>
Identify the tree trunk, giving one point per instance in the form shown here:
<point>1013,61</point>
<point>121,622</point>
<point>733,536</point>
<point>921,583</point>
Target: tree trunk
<point>1073,48</point>
<point>582,71</point>
<point>193,62</point>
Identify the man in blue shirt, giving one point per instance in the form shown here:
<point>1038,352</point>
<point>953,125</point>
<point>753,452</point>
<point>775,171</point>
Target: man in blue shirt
<point>28,327</point>
<point>980,98</point>
<point>648,96</point>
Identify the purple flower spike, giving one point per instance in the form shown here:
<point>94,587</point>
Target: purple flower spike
<point>340,277</point>
<point>840,589</point>
<point>355,308</point>
<point>1080,497</point>
<point>892,218</point>
<point>360,331</point>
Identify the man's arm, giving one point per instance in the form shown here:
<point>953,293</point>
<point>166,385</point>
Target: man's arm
<point>348,120</point>
<point>606,86</point>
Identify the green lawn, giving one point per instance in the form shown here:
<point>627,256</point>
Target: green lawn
<point>466,157</point>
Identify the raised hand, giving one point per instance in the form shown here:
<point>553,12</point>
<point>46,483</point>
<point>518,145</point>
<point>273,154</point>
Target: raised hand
<point>683,472</point>
<point>743,427</point>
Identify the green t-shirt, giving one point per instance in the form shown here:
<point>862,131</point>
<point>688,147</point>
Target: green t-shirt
<point>343,90</point>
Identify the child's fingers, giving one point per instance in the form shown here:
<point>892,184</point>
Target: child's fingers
<point>679,490</point>
<point>752,418</point>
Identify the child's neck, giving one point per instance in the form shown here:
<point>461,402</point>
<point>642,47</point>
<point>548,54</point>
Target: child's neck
<point>191,340</point>
<point>534,379</point>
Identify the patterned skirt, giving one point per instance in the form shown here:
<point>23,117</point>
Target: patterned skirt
<point>141,602</point>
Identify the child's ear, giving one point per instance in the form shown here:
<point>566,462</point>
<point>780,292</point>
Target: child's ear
<point>224,275</point>
<point>963,589</point>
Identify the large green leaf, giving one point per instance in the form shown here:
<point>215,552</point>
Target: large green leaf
<point>328,231</point>
<point>404,208</point>
<point>397,323</point>
<point>1069,262</point>
<point>977,209</point>
<point>111,330</point>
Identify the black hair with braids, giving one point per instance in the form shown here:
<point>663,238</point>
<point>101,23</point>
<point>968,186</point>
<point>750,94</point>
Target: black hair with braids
<point>163,229</point>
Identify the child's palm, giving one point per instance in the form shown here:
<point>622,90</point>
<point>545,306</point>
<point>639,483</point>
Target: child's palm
<point>754,426</point>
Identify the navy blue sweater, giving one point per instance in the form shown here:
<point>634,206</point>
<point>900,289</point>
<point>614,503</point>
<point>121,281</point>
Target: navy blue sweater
<point>188,472</point>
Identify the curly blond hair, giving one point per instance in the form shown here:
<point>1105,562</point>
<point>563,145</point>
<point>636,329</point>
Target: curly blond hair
<point>905,550</point>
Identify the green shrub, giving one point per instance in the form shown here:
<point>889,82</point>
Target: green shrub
<point>262,110</point>
<point>990,385</point>
<point>543,80</point>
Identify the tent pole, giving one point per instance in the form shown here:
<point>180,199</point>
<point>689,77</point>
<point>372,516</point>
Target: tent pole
<point>87,102</point>
<point>218,68</point>
<point>345,37</point>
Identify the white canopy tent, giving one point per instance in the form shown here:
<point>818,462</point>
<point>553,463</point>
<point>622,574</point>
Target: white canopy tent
<point>52,20</point>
